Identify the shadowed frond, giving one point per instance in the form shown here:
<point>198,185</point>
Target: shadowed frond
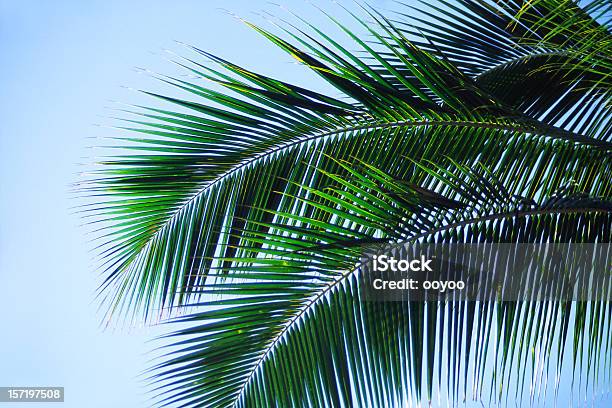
<point>554,75</point>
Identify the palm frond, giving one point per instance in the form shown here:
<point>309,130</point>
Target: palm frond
<point>250,201</point>
<point>293,329</point>
<point>509,53</point>
<point>194,175</point>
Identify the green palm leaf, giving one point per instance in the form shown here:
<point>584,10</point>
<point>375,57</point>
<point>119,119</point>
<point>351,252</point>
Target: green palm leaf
<point>191,175</point>
<point>306,349</point>
<point>249,201</point>
<point>514,57</point>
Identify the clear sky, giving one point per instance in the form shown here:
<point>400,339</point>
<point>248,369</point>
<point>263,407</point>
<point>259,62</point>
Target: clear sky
<point>62,64</point>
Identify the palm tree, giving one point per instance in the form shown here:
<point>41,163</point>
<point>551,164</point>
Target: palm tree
<point>244,210</point>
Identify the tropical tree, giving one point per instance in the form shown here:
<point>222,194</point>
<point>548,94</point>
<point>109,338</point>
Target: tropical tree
<point>243,209</point>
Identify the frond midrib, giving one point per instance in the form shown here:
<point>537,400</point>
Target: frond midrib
<point>329,287</point>
<point>523,59</point>
<point>519,59</point>
<point>531,126</point>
